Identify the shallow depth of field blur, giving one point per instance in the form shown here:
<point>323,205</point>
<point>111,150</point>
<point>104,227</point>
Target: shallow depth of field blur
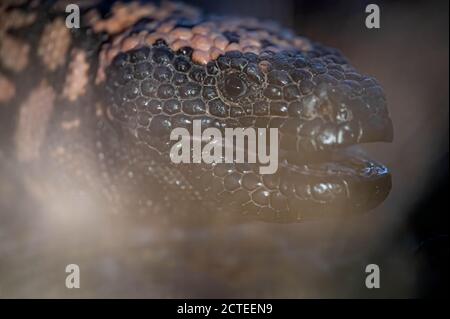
<point>406,236</point>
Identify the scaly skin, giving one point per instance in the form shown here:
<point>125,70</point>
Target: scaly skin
<point>90,110</point>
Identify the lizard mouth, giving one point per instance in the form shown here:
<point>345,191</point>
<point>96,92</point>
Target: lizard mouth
<point>345,180</point>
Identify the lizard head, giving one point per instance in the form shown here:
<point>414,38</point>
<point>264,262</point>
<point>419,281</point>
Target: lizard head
<point>321,106</point>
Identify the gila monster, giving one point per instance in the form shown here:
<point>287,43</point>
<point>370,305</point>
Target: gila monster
<point>86,112</point>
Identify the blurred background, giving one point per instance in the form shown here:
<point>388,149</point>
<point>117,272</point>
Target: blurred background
<point>407,236</point>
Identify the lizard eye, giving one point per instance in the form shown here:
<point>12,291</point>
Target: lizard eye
<point>234,86</point>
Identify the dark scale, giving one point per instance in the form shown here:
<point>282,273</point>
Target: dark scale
<point>194,107</point>
<point>209,92</point>
<point>149,87</point>
<point>209,80</point>
<point>186,51</point>
<point>291,92</point>
<point>162,55</point>
<point>277,77</point>
<point>182,64</point>
<point>154,106</point>
<point>218,108</point>
<point>254,73</point>
<point>179,78</point>
<point>189,90</point>
<point>223,62</point>
<point>211,68</point>
<point>166,91</point>
<point>197,74</point>
<point>231,36</point>
<point>172,106</point>
<point>162,74</point>
<point>273,92</point>
<point>278,108</point>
